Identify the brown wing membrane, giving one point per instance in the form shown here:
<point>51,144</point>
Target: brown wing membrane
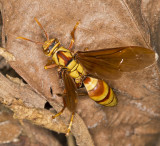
<point>110,63</point>
<point>71,91</point>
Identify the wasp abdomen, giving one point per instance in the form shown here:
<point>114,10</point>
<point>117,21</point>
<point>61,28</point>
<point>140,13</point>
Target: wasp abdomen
<point>99,91</point>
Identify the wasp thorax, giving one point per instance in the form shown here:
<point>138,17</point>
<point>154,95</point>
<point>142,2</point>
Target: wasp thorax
<point>49,46</point>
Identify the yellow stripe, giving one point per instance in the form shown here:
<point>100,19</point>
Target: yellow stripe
<point>103,95</point>
<point>114,102</point>
<point>91,85</point>
<point>111,101</point>
<point>80,68</point>
<point>72,65</point>
<point>74,74</point>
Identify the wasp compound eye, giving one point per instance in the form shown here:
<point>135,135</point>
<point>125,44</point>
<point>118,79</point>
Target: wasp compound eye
<point>47,51</point>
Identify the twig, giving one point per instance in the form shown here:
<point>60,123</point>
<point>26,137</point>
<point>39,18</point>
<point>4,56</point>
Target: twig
<point>15,97</point>
<point>8,56</point>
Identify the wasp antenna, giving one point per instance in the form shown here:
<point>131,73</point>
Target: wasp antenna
<point>73,31</point>
<point>41,28</point>
<point>30,40</point>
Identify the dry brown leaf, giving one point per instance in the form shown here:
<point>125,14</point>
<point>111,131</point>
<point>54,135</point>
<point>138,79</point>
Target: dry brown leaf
<point>103,24</point>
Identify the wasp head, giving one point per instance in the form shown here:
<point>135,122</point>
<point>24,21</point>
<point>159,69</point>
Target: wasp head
<point>50,46</point>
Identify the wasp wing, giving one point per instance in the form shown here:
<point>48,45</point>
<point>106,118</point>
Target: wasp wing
<point>110,63</point>
<point>71,91</point>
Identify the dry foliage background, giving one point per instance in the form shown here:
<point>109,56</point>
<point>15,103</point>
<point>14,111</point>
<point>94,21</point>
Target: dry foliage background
<point>103,24</point>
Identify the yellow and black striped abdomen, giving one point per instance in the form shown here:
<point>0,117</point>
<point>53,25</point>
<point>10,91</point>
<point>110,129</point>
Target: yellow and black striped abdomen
<point>99,91</point>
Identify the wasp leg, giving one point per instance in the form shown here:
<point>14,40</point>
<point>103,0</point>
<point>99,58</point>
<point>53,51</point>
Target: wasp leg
<point>70,124</point>
<point>58,114</point>
<point>50,64</point>
<point>72,35</point>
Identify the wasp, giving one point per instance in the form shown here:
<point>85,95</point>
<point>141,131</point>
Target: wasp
<point>91,69</point>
